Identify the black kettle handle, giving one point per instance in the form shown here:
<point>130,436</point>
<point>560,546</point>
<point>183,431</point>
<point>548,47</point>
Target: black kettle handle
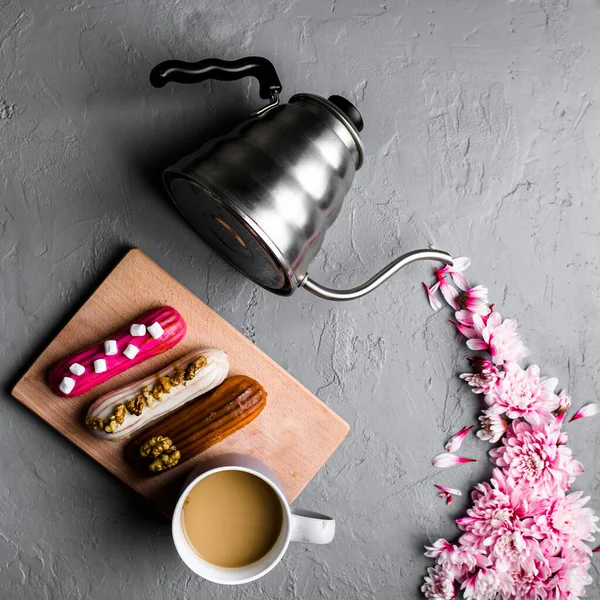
<point>223,70</point>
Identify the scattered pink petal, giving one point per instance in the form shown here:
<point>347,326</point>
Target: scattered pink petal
<point>596,549</point>
<point>449,500</point>
<point>462,263</point>
<point>589,410</point>
<point>433,301</point>
<point>455,442</point>
<point>448,491</point>
<point>449,292</point>
<point>445,460</point>
<point>455,271</point>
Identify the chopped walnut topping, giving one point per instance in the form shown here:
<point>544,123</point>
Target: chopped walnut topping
<point>155,446</point>
<point>147,396</point>
<point>163,451</point>
<point>95,423</point>
<point>157,392</point>
<point>165,383</point>
<point>178,377</point>
<point>165,461</point>
<point>112,425</point>
<point>135,406</point>
<point>120,412</point>
<point>194,366</point>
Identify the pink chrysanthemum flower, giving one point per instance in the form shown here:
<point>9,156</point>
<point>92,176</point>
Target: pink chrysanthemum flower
<point>484,584</point>
<point>523,393</point>
<point>485,377</point>
<point>565,522</point>
<point>493,427</point>
<point>439,584</point>
<point>528,582</point>
<point>458,560</point>
<point>515,550</point>
<point>530,456</point>
<point>498,507</point>
<point>499,338</point>
<point>570,577</point>
<point>474,300</point>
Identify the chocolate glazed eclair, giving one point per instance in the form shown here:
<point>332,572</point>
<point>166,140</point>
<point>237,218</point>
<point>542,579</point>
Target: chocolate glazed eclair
<point>198,425</point>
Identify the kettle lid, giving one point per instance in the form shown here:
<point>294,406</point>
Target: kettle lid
<point>346,113</point>
<point>349,110</point>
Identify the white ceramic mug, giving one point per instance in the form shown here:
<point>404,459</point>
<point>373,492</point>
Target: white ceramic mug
<point>298,526</point>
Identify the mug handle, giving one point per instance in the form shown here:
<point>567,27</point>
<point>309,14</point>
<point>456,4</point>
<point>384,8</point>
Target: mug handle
<point>312,528</point>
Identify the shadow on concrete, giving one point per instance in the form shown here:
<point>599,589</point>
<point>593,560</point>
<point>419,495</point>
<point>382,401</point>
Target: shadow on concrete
<point>40,344</point>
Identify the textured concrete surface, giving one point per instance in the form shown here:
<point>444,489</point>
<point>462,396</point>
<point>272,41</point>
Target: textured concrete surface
<point>483,137</point>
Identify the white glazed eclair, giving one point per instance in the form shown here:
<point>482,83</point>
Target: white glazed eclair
<point>123,411</point>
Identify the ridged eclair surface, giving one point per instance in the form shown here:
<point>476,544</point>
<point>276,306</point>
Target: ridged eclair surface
<point>206,420</point>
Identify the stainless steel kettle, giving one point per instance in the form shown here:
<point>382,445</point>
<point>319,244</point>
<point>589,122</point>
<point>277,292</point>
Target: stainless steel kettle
<point>264,195</point>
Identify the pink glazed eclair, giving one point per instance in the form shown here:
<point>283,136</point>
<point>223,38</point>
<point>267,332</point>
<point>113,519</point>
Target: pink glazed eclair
<point>152,333</point>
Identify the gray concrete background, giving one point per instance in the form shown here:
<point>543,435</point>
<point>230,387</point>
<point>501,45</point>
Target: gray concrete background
<point>483,137</point>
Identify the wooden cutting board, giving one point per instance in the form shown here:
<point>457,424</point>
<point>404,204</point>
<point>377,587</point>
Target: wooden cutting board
<point>295,434</point>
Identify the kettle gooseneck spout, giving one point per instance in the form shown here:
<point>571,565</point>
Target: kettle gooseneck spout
<point>368,286</point>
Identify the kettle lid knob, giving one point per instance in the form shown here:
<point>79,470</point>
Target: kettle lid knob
<point>349,110</point>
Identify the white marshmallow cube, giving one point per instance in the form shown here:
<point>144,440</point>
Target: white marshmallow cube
<point>77,369</point>
<point>155,330</point>
<point>99,366</point>
<point>66,385</point>
<point>131,351</point>
<point>110,347</point>
<point>137,330</point>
